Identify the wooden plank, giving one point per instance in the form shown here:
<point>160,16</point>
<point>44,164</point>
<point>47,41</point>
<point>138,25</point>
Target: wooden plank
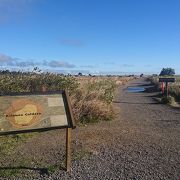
<point>167,89</point>
<point>68,149</point>
<point>69,108</point>
<point>167,79</point>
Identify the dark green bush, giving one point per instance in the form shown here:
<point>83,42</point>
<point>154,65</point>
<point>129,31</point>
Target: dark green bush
<point>168,100</point>
<point>175,92</point>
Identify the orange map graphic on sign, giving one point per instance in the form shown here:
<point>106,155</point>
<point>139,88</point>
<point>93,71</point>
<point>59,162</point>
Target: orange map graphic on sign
<point>23,113</point>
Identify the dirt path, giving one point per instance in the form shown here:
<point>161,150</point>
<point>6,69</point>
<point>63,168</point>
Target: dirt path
<point>143,142</point>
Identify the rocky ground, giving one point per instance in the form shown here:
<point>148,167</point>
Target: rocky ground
<point>143,142</point>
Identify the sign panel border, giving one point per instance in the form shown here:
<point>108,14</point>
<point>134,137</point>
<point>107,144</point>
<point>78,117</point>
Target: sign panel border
<point>167,79</point>
<point>67,105</point>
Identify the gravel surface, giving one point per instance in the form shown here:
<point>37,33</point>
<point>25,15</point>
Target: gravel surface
<point>143,142</point>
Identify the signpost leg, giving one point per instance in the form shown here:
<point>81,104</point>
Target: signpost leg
<point>162,88</point>
<point>68,149</point>
<point>167,89</point>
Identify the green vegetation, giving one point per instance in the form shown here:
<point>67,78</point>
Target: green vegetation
<point>31,82</point>
<point>167,72</point>
<point>53,168</point>
<point>174,90</point>
<point>8,143</point>
<point>91,100</point>
<point>9,172</point>
<point>168,100</point>
<point>82,153</point>
<point>7,146</point>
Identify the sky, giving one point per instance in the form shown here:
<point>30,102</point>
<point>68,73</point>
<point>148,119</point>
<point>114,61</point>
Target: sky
<point>90,36</point>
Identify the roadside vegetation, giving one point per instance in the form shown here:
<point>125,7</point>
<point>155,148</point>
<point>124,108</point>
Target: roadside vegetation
<point>174,88</point>
<point>91,97</point>
<point>91,100</point>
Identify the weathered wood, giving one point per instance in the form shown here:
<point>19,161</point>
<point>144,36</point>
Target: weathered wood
<point>30,120</point>
<point>68,149</point>
<point>69,108</point>
<point>167,93</point>
<point>167,79</point>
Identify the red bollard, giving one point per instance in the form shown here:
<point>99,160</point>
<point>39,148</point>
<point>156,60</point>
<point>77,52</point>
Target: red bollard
<point>162,87</point>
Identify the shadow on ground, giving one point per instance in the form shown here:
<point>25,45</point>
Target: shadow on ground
<point>143,84</point>
<point>41,171</point>
<point>123,102</point>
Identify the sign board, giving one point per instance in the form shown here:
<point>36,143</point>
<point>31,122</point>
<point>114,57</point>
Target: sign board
<point>166,79</point>
<point>27,112</point>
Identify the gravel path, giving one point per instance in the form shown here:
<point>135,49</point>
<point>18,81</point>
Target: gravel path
<point>143,142</point>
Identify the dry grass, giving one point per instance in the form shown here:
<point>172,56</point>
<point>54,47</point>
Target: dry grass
<point>91,96</point>
<point>92,101</point>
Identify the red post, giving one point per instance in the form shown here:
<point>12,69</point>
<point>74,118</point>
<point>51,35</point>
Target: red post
<point>162,87</point>
<point>167,89</point>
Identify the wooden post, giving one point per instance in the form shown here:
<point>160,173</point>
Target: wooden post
<point>68,149</point>
<point>167,89</point>
<point>162,88</point>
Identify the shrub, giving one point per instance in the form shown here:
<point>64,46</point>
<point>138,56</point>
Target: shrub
<point>175,92</point>
<point>30,82</point>
<point>92,102</point>
<point>168,100</point>
<point>91,99</point>
<point>174,89</point>
<point>167,72</point>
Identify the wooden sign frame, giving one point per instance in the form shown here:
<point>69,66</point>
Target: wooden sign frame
<point>167,79</point>
<point>70,119</point>
<point>66,100</point>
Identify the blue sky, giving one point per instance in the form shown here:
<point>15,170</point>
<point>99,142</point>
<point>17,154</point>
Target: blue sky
<point>91,36</point>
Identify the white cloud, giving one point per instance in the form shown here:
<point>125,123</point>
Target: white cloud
<point>60,64</point>
<point>128,65</point>
<point>10,9</point>
<point>72,42</point>
<point>87,66</point>
<point>6,60</point>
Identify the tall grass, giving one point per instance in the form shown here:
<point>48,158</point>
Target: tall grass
<point>92,102</point>
<point>31,82</point>
<point>91,97</point>
<point>175,92</point>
